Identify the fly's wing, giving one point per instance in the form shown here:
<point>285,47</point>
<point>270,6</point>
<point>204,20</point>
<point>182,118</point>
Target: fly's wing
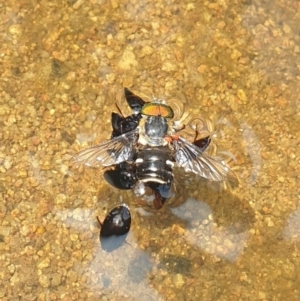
<point>193,159</point>
<point>114,151</point>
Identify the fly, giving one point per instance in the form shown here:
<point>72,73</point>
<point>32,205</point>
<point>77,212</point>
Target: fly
<point>144,148</point>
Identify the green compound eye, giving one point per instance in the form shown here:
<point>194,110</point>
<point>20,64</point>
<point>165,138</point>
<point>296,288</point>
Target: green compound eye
<point>157,109</point>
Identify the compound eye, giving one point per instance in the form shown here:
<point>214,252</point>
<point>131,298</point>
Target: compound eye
<point>157,109</point>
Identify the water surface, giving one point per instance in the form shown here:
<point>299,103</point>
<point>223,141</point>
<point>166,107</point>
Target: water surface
<point>64,65</point>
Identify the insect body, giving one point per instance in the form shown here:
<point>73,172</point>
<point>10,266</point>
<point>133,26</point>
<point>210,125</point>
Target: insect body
<point>115,227</point>
<point>144,148</point>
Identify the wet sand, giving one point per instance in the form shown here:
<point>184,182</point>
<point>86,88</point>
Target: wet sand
<point>64,65</point>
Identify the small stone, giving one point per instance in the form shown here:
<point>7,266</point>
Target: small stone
<point>128,81</point>
<point>77,4</point>
<point>72,276</point>
<point>270,223</point>
<point>221,25</point>
<point>155,25</point>
<point>241,95</point>
<point>15,29</point>
<point>147,50</point>
<point>127,60</point>
<point>114,4</point>
<point>110,78</point>
<point>24,230</point>
<point>110,54</point>
<point>178,281</point>
<point>5,231</point>
<point>265,210</point>
<point>180,41</point>
<point>56,279</point>
<point>7,163</point>
<point>229,245</point>
<point>202,69</point>
<point>190,6</point>
<point>178,55</point>
<point>78,214</point>
<point>235,54</point>
<point>44,281</point>
<point>205,222</point>
<point>4,110</point>
<point>74,237</point>
<point>244,277</point>
<point>60,198</point>
<point>44,264</point>
<point>169,66</point>
<point>244,60</point>
<point>261,295</point>
<point>11,269</point>
<point>177,229</point>
<point>88,124</point>
<point>22,173</point>
<point>281,179</point>
<point>18,183</point>
<point>40,230</point>
<point>14,279</point>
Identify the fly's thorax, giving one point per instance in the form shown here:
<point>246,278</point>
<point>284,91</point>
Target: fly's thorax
<point>153,130</point>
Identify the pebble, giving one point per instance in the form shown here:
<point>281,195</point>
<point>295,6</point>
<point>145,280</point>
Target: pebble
<point>11,269</point>
<point>15,29</point>
<point>235,55</point>
<point>178,281</point>
<point>44,281</point>
<point>7,163</point>
<point>24,230</point>
<point>78,4</point>
<point>14,279</point>
<point>242,95</point>
<point>22,173</point>
<point>128,60</point>
<point>147,50</point>
<point>56,279</point>
<point>44,263</point>
<point>60,198</point>
<point>74,237</point>
<point>78,214</point>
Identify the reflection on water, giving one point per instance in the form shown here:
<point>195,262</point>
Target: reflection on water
<point>253,148</point>
<point>64,65</point>
<point>203,232</point>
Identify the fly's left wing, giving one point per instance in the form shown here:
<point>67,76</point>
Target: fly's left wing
<point>114,151</point>
<point>193,159</point>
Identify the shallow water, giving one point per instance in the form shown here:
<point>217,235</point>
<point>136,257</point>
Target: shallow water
<point>64,65</point>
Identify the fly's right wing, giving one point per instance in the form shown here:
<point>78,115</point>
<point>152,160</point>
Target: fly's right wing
<point>194,159</point>
<point>114,151</point>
